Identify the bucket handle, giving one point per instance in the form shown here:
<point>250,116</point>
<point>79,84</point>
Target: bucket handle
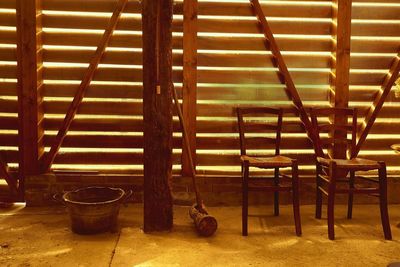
<point>127,197</point>
<point>58,197</point>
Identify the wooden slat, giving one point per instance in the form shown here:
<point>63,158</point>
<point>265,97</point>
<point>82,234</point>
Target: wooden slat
<point>84,56</point>
<point>190,29</point>
<point>374,46</point>
<point>248,60</point>
<point>48,160</point>
<point>8,37</point>
<point>102,74</point>
<point>372,62</point>
<point>8,54</point>
<point>257,77</point>
<point>90,39</point>
<point>376,12</point>
<point>94,91</point>
<point>269,9</point>
<point>88,22</point>
<point>378,103</point>
<point>8,19</point>
<point>8,4</point>
<point>30,110</point>
<point>204,42</point>
<point>376,29</point>
<point>8,71</point>
<point>203,109</point>
<point>246,93</point>
<point>204,75</point>
<point>204,93</point>
<point>89,6</point>
<point>277,27</point>
<point>366,78</point>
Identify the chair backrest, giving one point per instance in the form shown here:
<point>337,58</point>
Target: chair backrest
<point>322,120</point>
<point>259,120</point>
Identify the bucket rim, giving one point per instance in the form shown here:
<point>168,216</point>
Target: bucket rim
<point>66,200</point>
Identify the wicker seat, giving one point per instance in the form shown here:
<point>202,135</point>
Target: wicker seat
<point>275,162</point>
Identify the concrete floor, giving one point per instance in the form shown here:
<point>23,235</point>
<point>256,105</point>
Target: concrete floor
<point>41,237</point>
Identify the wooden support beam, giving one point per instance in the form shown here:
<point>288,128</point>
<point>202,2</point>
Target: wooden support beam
<point>284,74</point>
<point>73,108</point>
<point>12,183</point>
<point>376,107</point>
<point>157,113</point>
<point>189,80</point>
<point>340,75</point>
<point>30,82</point>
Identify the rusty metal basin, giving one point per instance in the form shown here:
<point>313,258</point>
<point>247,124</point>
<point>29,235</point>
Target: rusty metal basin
<point>94,209</point>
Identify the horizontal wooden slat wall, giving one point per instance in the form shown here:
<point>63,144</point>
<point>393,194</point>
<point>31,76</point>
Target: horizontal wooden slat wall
<point>375,44</point>
<point>72,31</point>
<point>234,69</point>
<point>8,83</point>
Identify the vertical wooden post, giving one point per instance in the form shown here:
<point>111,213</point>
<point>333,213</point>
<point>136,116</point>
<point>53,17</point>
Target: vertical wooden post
<point>30,82</point>
<point>189,80</point>
<point>157,113</point>
<point>341,73</point>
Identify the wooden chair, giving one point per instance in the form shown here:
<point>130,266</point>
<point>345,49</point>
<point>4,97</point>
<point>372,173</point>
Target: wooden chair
<point>276,162</point>
<point>331,171</point>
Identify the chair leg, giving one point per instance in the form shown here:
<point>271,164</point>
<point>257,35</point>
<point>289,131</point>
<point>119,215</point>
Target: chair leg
<point>383,202</point>
<point>295,197</point>
<point>351,196</point>
<point>245,198</point>
<point>276,193</point>
<point>318,198</point>
<point>331,200</point>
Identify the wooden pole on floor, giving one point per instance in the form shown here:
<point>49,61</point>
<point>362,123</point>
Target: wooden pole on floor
<point>157,113</point>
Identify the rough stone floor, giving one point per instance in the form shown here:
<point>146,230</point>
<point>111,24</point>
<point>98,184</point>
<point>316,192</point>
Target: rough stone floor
<point>41,237</point>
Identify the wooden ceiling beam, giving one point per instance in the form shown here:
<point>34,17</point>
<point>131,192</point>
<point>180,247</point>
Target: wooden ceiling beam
<point>284,74</point>
<point>88,76</point>
<point>377,105</point>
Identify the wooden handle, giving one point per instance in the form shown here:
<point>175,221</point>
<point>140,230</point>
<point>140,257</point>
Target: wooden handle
<point>186,142</point>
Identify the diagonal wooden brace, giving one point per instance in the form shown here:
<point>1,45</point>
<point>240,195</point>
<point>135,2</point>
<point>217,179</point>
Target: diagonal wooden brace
<point>284,74</point>
<point>12,183</point>
<point>380,98</point>
<point>73,108</point>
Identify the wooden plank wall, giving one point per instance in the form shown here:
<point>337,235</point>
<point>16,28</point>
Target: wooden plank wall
<point>233,69</point>
<point>375,44</point>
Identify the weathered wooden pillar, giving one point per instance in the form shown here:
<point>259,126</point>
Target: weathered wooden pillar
<point>341,32</point>
<point>30,82</point>
<point>157,113</point>
<point>189,80</point>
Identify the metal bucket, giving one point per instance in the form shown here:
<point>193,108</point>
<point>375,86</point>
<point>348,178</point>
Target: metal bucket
<point>94,209</point>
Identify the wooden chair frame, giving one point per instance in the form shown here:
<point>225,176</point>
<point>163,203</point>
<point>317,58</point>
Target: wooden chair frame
<point>275,163</point>
<point>331,171</point>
